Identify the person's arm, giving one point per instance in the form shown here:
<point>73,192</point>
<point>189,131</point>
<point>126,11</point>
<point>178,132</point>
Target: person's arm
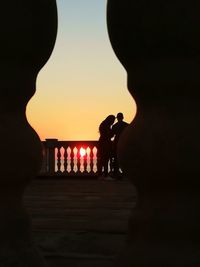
<point>112,132</point>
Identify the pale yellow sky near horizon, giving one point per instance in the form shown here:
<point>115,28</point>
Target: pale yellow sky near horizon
<point>83,81</point>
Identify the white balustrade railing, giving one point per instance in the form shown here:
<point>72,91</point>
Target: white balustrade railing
<point>69,158</point>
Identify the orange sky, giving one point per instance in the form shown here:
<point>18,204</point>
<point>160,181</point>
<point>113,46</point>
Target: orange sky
<point>83,81</point>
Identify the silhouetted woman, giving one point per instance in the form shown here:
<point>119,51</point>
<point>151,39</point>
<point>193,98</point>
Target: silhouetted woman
<point>105,145</point>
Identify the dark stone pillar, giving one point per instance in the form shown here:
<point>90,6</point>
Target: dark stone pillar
<point>158,43</point>
<point>51,144</point>
<point>28,31</point>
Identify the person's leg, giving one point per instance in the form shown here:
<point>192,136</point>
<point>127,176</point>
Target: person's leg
<point>99,167</point>
<point>99,163</point>
<point>105,166</point>
<point>111,164</point>
<point>116,164</point>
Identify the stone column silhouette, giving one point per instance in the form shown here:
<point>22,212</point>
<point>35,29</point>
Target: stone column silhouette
<point>28,31</point>
<point>51,144</point>
<point>158,43</point>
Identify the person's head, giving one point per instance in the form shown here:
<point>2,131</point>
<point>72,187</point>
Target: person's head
<point>120,116</point>
<point>110,119</point>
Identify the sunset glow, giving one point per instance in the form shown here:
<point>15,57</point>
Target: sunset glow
<point>83,81</point>
<point>82,152</point>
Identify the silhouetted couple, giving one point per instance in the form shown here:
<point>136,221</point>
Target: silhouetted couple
<point>107,149</point>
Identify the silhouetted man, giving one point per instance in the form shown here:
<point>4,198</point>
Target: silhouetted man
<point>117,129</point>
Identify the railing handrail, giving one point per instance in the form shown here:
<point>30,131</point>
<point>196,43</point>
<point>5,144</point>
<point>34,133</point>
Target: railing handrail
<point>69,162</point>
<point>70,142</point>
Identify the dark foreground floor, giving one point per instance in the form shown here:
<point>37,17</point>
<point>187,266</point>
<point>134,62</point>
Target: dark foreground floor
<point>80,222</point>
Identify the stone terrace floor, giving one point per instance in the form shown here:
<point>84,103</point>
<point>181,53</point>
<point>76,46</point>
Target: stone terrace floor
<point>81,222</point>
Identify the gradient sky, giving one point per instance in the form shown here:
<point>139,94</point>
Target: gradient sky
<point>83,81</point>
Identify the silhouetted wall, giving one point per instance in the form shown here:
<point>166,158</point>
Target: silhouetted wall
<point>158,43</point>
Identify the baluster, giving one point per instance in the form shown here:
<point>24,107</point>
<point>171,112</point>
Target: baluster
<point>59,160</point>
<point>88,161</point>
<point>91,155</point>
<point>85,158</point>
<point>77,159</point>
<point>94,159</point>
<point>81,164</point>
<point>28,31</point>
<point>158,44</point>
<point>65,155</point>
<point>69,160</point>
<point>73,163</point>
<point>80,160</point>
